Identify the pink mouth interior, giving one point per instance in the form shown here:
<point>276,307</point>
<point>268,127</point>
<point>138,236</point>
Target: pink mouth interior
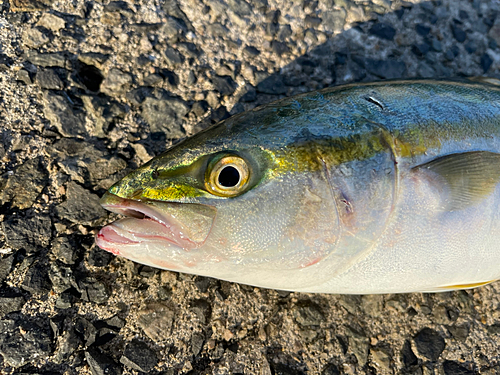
<point>109,234</point>
<point>143,223</point>
<point>108,239</point>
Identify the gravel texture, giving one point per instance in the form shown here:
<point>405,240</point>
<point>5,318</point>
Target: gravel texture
<point>91,89</point>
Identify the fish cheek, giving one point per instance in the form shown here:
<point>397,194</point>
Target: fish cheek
<point>286,223</point>
<point>315,229</point>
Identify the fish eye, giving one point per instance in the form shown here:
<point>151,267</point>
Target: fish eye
<point>227,176</point>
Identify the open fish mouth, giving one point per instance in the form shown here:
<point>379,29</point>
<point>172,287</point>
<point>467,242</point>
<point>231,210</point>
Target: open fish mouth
<point>184,225</point>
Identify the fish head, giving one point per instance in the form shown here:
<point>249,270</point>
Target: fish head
<point>231,203</point>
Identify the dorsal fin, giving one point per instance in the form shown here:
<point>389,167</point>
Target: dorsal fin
<point>469,177</point>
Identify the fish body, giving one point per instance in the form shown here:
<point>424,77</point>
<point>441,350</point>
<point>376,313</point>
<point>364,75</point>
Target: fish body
<point>364,188</point>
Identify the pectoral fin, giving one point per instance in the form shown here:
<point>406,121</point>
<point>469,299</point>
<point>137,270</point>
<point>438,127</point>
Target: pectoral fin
<point>468,177</point>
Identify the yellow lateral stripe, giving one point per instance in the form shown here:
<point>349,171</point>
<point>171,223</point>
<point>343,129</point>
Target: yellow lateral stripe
<point>466,286</point>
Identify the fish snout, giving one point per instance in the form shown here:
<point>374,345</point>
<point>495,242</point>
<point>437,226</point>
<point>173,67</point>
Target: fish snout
<point>186,225</point>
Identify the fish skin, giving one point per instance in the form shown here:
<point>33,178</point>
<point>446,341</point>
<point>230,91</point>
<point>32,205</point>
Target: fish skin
<point>353,189</point>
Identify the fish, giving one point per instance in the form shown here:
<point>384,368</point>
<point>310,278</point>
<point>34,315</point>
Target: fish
<point>364,188</point>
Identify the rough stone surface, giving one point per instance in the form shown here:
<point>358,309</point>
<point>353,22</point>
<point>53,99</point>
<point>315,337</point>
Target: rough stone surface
<point>307,314</point>
<point>61,277</point>
<point>358,345</point>
<point>116,83</point>
<point>383,31</point>
<point>459,332</point>
<point>197,341</point>
<point>64,115</point>
<point>272,85</point>
<point>30,5</point>
<point>139,356</point>
<point>165,115</point>
<point>35,38</point>
<point>90,90</point>
<point>173,57</point>
<point>409,358</point>
<point>81,205</point>
<point>28,233</point>
<point>93,290</point>
<point>84,162</point>
<point>48,79</point>
<point>46,59</point>
<point>387,69</point>
<point>51,22</point>
<point>10,304</point>
<point>104,167</point>
<point>24,76</point>
<point>103,112</point>
<point>67,343</point>
<point>36,279</point>
<point>454,368</point>
<point>65,249</point>
<point>330,369</point>
<point>429,343</point>
<point>93,58</point>
<point>98,258</point>
<point>24,185</point>
<point>224,85</point>
<point>156,321</point>
<point>22,340</point>
<point>5,266</point>
<point>381,359</point>
<point>458,33</point>
<point>101,364</point>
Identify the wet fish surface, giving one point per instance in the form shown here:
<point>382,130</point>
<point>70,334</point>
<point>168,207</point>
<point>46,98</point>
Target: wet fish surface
<point>382,187</point>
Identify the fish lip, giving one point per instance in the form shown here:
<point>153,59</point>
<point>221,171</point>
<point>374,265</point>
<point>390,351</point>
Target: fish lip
<point>140,210</point>
<point>109,235</point>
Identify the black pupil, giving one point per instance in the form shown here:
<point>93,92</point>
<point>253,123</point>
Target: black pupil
<point>229,177</point>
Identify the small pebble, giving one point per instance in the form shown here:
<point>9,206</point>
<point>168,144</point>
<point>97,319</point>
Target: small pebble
<point>139,356</point>
<point>383,30</point>
<point>429,343</point>
<point>458,33</point>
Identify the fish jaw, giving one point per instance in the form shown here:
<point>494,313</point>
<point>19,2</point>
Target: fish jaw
<point>160,234</point>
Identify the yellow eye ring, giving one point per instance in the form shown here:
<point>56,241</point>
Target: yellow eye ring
<point>228,176</point>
